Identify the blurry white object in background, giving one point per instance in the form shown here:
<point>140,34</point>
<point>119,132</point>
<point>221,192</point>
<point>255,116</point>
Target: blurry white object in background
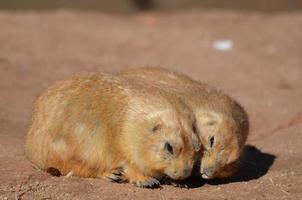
<point>223,45</point>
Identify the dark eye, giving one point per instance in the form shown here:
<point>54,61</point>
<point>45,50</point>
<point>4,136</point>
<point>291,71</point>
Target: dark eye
<point>156,128</point>
<point>212,141</point>
<point>194,127</point>
<point>211,123</point>
<point>169,148</point>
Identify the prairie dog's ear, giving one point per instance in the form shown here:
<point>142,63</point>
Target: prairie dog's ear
<point>211,122</point>
<point>209,119</point>
<point>196,143</point>
<point>156,127</point>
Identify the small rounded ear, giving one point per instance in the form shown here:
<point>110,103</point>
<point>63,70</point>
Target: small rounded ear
<point>156,128</point>
<point>196,142</point>
<point>209,119</point>
<point>212,123</point>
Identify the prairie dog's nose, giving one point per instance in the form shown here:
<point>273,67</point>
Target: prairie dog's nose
<point>175,175</point>
<point>180,176</point>
<point>208,173</point>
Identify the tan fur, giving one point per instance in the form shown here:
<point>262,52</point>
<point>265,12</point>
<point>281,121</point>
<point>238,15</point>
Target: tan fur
<point>95,125</point>
<point>216,115</point>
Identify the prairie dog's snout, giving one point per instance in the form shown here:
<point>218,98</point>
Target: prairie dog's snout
<point>208,172</point>
<point>177,175</point>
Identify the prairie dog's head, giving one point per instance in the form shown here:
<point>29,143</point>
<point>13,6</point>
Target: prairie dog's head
<point>165,142</point>
<point>222,144</point>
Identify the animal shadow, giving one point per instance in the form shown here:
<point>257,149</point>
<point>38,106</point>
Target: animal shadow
<point>253,165</point>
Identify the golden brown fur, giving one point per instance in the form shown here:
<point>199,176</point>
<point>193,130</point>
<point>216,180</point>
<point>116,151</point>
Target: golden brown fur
<point>219,119</point>
<point>98,125</point>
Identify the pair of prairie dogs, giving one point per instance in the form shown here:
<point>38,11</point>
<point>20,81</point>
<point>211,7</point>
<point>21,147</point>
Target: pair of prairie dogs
<point>137,126</point>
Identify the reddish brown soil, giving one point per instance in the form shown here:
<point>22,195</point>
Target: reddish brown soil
<point>263,72</point>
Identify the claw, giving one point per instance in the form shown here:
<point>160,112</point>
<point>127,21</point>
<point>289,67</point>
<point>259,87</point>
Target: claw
<point>116,176</point>
<point>180,185</point>
<point>118,172</point>
<point>174,183</point>
<point>149,183</point>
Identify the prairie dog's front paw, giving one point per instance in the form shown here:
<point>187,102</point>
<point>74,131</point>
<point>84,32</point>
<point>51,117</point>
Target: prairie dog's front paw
<point>148,183</point>
<point>139,179</point>
<point>116,175</point>
<point>180,184</point>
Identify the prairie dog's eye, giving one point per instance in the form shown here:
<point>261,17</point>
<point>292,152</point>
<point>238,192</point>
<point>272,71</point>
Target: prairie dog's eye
<point>211,123</point>
<point>156,128</point>
<point>194,127</point>
<point>169,148</point>
<point>212,140</point>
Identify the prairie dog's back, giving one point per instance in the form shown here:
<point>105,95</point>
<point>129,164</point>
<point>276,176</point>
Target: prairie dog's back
<point>165,79</point>
<point>193,92</point>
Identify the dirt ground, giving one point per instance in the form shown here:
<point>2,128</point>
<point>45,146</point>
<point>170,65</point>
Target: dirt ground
<point>263,71</point>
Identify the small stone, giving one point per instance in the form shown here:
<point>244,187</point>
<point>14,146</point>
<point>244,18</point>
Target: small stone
<point>223,45</point>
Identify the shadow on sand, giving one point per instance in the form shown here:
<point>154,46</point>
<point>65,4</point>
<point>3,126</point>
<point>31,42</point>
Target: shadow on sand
<point>256,164</point>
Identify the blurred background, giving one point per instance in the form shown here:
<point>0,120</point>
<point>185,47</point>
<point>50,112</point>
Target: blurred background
<point>128,6</point>
<point>251,49</point>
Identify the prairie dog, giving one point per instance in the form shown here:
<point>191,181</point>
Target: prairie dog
<point>99,125</point>
<point>221,122</point>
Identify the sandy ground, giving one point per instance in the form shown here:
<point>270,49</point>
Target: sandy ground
<point>263,72</point>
